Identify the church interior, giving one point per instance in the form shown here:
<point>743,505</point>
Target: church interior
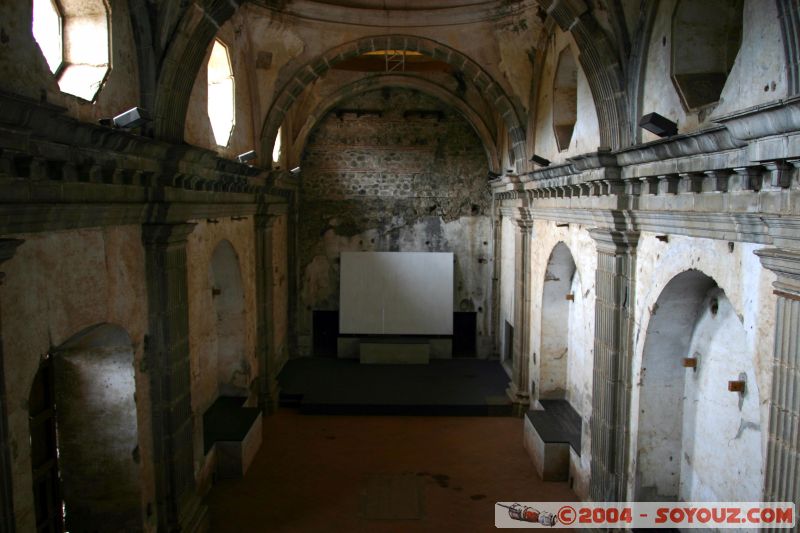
<point>246,242</point>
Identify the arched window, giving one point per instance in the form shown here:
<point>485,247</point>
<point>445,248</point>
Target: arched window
<point>276,149</point>
<point>221,103</point>
<point>565,98</point>
<point>74,38</point>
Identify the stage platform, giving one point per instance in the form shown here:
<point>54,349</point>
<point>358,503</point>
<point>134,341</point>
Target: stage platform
<point>454,387</point>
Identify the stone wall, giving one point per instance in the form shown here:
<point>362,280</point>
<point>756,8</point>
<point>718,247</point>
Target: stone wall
<point>393,170</point>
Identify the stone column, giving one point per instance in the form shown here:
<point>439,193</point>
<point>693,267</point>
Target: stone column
<point>7,524</point>
<point>518,389</point>
<point>782,470</point>
<point>265,327</point>
<point>167,359</point>
<point>613,347</point>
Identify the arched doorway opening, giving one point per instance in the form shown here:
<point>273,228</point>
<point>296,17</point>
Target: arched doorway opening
<point>232,369</point>
<point>84,435</point>
<point>558,296</point>
<point>697,440</point>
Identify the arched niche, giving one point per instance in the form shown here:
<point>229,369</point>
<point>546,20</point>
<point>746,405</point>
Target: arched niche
<point>232,368</point>
<point>88,384</point>
<point>565,98</point>
<point>697,441</point>
<point>559,278</point>
<point>706,37</point>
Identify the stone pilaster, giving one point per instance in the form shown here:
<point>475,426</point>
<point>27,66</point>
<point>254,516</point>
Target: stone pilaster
<point>7,525</point>
<point>518,390</point>
<point>782,469</point>
<point>265,327</point>
<point>167,358</point>
<point>611,386</point>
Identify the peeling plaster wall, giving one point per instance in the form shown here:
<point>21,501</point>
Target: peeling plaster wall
<point>100,280</point>
<point>23,69</point>
<point>202,318</point>
<point>586,135</point>
<point>246,128</point>
<point>759,64</point>
<point>546,235</point>
<point>748,288</point>
<point>393,183</point>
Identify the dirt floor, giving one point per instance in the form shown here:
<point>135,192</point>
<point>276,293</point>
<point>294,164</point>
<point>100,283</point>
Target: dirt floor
<point>380,474</point>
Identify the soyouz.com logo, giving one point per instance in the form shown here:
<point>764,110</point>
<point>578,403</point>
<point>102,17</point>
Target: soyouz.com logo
<point>667,515</point>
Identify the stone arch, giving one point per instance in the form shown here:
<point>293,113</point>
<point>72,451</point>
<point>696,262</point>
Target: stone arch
<point>92,388</point>
<point>402,81</point>
<point>603,69</point>
<point>233,371</point>
<point>182,61</point>
<point>789,19</point>
<point>559,278</point>
<point>316,68</point>
<point>684,451</point>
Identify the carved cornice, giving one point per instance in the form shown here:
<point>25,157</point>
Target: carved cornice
<point>786,264</point>
<point>764,120</point>
<point>710,140</point>
<point>57,147</point>
<point>614,242</point>
<point>166,234</point>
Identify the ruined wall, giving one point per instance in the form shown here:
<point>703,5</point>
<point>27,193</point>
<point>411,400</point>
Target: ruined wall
<point>203,342</point>
<point>410,175</point>
<point>57,285</point>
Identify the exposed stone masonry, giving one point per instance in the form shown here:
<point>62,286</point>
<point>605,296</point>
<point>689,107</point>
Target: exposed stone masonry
<point>393,170</point>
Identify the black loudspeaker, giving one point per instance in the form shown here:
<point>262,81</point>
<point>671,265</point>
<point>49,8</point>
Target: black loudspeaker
<point>661,126</point>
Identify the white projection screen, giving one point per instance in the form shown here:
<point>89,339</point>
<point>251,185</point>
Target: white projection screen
<point>399,293</point>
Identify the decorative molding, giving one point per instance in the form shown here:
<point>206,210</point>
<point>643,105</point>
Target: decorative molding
<point>765,120</point>
<point>784,263</point>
